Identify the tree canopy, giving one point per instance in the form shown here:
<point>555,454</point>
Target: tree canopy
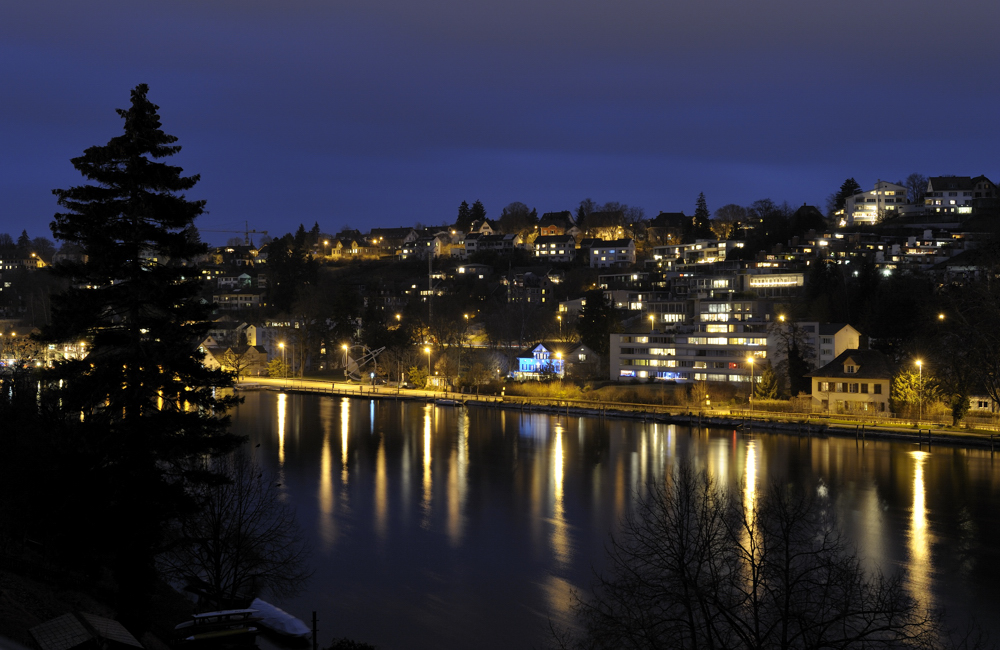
<point>142,408</point>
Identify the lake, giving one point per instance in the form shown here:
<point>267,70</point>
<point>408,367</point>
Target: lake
<point>451,527</point>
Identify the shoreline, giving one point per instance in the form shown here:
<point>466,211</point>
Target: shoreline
<point>762,421</point>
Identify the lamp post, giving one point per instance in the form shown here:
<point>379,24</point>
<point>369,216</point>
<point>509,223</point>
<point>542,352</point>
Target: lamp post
<point>428,351</point>
<point>750,361</point>
<point>652,322</point>
<point>284,368</point>
<point>559,318</point>
<point>920,391</point>
<point>326,243</point>
<point>559,364</point>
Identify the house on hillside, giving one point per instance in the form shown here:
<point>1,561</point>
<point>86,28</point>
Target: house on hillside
<point>667,228</point>
<point>555,248</point>
<point>614,253</point>
<point>556,223</point>
<point>856,382</point>
<point>552,359</point>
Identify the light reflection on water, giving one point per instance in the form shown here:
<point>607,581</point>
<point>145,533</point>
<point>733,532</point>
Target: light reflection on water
<point>446,522</point>
<point>919,537</point>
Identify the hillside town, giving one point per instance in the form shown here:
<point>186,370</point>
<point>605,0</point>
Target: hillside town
<point>842,309</point>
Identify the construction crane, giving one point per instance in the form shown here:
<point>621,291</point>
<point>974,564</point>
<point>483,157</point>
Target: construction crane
<point>246,233</point>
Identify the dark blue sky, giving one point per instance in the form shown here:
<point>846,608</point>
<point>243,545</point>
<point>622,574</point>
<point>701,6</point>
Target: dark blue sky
<point>390,112</point>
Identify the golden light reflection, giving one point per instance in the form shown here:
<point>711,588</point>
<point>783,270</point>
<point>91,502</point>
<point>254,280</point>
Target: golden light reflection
<point>327,527</point>
<point>458,476</point>
<point>345,429</point>
<point>750,479</point>
<point>428,483</point>
<point>919,536</point>
<point>559,594</point>
<point>381,492</point>
<point>282,409</point>
<point>560,529</point>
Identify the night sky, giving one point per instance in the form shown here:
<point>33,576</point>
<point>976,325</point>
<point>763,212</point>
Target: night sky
<point>390,112</point>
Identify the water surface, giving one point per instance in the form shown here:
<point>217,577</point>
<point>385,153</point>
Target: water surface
<point>451,527</point>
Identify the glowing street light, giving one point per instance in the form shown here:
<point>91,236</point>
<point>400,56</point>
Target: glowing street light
<point>559,318</point>
<point>428,351</point>
<point>920,390</point>
<point>750,361</point>
<point>652,322</point>
<point>284,368</point>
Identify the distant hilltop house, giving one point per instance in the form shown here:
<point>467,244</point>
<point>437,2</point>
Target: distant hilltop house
<point>857,381</point>
<point>667,227</point>
<point>554,248</point>
<point>353,248</point>
<point>557,223</point>
<point>613,253</point>
<point>869,208</point>
<point>390,241</point>
<point>958,194</point>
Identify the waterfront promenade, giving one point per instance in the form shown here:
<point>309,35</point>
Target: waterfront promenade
<point>742,420</point>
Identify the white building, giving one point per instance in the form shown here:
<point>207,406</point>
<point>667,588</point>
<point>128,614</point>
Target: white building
<point>957,194</point>
<point>869,208</point>
<point>555,248</point>
<point>616,252</point>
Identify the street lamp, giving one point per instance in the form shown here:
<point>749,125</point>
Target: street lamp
<point>559,364</point>
<point>428,351</point>
<point>559,318</point>
<point>284,368</point>
<point>652,322</point>
<point>326,243</point>
<point>750,361</point>
<point>920,391</point>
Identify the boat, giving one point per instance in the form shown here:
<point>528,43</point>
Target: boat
<point>447,402</point>
<point>221,625</point>
<point>277,620</point>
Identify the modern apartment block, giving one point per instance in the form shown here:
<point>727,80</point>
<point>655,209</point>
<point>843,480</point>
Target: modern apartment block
<point>718,343</point>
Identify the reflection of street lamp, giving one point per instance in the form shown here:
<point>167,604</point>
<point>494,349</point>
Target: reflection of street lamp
<point>920,391</point>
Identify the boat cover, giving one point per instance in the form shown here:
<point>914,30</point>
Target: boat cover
<point>278,620</point>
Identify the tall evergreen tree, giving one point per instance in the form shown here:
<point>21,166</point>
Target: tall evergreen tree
<point>477,212</point>
<point>464,219</point>
<point>141,408</point>
<point>848,189</point>
<point>767,387</point>
<point>701,223</point>
<point>23,243</point>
